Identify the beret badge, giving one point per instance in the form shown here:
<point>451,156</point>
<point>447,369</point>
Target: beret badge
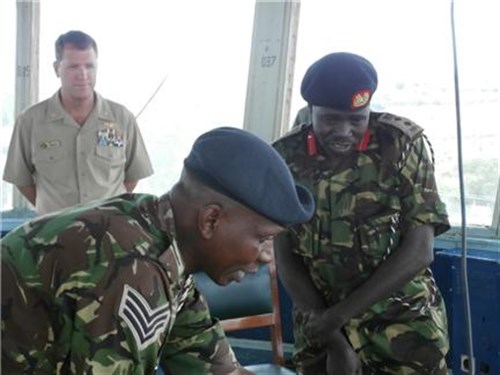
<point>360,99</point>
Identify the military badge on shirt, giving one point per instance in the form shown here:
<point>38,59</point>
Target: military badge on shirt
<point>360,99</point>
<point>54,143</point>
<point>145,322</point>
<point>109,136</point>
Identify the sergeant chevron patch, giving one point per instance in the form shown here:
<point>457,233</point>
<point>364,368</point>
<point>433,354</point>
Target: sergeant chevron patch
<point>146,323</point>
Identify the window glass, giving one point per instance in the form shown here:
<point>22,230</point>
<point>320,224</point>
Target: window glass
<point>7,90</point>
<point>201,49</point>
<point>410,44</point>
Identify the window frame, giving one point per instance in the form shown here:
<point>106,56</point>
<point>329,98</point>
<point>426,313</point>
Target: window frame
<point>477,236</point>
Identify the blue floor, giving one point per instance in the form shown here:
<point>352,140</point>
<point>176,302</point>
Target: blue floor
<point>252,356</point>
<point>251,352</point>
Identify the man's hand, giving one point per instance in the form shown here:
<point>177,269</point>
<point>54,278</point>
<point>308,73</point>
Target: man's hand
<point>319,324</point>
<point>342,361</point>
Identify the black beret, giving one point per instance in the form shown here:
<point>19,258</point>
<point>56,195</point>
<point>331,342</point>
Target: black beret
<point>242,166</point>
<point>340,80</point>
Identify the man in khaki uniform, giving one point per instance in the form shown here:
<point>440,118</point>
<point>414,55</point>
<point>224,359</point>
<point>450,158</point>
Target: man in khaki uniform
<point>75,146</point>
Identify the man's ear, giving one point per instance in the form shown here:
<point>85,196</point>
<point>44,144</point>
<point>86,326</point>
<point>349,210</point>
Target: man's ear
<point>209,217</point>
<point>56,68</point>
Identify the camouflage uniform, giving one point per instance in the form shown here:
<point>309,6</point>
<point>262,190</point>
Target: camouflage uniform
<point>102,290</point>
<point>364,206</point>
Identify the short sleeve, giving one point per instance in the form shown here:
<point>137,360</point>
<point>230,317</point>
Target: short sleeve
<point>19,167</point>
<point>138,164</point>
<point>421,204</point>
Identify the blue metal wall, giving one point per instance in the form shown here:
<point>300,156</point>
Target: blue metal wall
<point>483,268</point>
<point>484,287</point>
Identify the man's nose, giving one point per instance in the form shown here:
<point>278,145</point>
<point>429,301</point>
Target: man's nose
<point>83,72</point>
<point>342,129</point>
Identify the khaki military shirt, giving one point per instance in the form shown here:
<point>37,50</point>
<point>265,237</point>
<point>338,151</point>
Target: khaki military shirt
<point>101,289</point>
<point>72,164</point>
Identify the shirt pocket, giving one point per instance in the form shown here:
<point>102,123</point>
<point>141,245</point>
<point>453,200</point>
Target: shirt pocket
<point>377,224</point>
<point>52,163</point>
<point>111,154</point>
<point>109,165</point>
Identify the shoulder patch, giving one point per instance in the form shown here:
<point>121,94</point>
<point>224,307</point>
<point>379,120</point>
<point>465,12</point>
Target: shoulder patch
<point>407,126</point>
<point>145,323</point>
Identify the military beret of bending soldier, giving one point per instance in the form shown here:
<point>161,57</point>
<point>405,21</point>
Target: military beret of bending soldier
<point>241,166</point>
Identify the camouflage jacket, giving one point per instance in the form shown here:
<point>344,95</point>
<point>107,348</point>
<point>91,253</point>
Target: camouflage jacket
<point>364,205</point>
<point>101,289</point>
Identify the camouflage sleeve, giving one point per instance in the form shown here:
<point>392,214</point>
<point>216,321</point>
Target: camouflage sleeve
<point>26,320</point>
<point>421,203</point>
<point>19,315</point>
<point>197,344</point>
<point>74,301</point>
